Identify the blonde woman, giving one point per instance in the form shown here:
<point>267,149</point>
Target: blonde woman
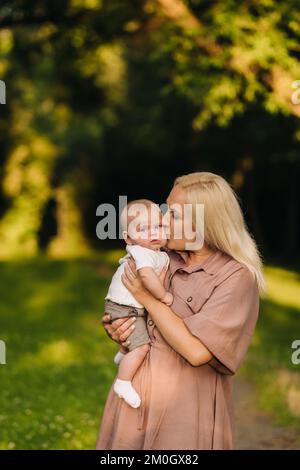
<point>199,342</point>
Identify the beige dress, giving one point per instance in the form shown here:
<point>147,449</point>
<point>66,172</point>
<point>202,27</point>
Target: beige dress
<point>183,406</point>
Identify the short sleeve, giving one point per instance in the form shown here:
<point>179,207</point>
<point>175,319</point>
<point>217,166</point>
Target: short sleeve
<point>166,260</point>
<point>143,257</point>
<point>226,322</point>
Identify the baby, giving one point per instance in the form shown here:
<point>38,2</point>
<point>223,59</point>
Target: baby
<point>144,236</point>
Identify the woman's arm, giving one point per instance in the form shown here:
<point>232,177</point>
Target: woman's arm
<point>175,332</point>
<point>152,282</point>
<point>169,324</point>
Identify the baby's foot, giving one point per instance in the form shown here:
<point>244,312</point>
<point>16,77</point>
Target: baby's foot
<point>118,357</point>
<point>124,389</point>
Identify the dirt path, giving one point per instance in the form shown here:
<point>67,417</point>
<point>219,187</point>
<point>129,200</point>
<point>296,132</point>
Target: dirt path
<point>255,428</point>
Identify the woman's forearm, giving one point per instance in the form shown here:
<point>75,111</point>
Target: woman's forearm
<point>152,282</point>
<point>173,329</point>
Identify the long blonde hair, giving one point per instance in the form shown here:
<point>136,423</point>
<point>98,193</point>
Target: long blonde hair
<point>224,224</point>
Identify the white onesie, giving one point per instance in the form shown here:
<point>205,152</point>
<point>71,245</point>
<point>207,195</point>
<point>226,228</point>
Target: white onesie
<point>143,257</point>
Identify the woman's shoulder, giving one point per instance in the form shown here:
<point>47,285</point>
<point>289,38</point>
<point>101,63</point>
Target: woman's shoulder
<point>230,265</point>
<point>235,272</point>
<point>224,268</point>
<point>230,276</point>
<point>219,265</point>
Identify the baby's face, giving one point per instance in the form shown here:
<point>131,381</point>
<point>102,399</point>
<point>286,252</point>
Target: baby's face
<point>147,230</point>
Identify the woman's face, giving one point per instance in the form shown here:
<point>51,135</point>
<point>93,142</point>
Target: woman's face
<point>178,219</point>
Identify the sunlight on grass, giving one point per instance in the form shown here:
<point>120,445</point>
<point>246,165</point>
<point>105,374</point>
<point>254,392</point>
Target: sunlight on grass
<point>59,358</point>
<point>283,286</point>
<point>55,352</point>
<point>60,361</point>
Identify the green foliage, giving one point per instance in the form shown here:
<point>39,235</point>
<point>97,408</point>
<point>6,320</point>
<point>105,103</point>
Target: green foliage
<point>100,90</point>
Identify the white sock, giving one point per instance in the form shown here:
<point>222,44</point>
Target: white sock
<point>118,357</point>
<point>124,389</point>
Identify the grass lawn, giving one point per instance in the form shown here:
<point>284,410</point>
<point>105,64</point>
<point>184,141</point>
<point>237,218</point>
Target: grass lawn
<point>60,361</point>
<point>269,362</point>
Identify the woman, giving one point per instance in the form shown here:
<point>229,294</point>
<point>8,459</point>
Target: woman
<point>199,342</point>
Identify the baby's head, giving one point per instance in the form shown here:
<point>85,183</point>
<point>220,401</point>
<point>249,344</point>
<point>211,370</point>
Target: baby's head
<point>141,222</point>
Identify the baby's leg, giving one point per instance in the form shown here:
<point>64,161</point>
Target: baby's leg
<point>120,355</point>
<point>128,367</point>
<point>131,362</point>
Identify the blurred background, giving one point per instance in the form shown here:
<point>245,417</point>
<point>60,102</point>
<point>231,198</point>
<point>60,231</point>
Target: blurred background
<point>117,97</point>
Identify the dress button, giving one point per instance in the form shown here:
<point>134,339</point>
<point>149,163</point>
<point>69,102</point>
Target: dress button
<point>150,322</point>
<point>189,299</point>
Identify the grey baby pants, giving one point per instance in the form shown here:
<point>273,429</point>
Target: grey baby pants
<point>140,334</point>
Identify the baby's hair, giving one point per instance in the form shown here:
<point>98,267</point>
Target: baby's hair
<point>147,203</point>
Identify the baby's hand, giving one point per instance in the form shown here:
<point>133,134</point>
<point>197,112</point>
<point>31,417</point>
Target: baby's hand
<point>168,298</point>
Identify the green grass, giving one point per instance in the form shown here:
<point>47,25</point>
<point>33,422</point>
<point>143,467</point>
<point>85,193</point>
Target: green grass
<point>269,362</point>
<point>60,361</point>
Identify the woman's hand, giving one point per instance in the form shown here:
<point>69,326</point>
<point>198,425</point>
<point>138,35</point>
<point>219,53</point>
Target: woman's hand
<point>120,329</point>
<point>132,280</point>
